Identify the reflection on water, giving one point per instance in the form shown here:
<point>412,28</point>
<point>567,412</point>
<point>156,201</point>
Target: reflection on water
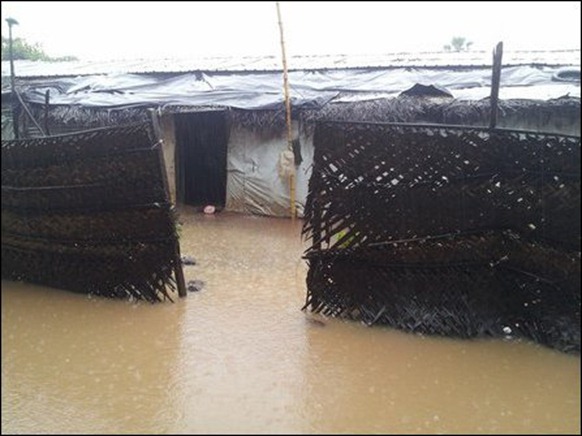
<point>240,357</point>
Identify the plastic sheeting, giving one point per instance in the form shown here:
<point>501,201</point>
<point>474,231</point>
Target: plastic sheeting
<point>309,89</point>
<point>254,185</point>
<point>242,91</point>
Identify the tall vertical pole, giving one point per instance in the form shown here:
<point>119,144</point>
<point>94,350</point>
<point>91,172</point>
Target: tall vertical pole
<point>495,82</point>
<point>11,22</point>
<point>287,112</point>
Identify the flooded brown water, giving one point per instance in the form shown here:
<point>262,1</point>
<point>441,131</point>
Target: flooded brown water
<point>240,357</point>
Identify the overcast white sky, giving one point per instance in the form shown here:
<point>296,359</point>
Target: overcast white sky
<point>127,30</point>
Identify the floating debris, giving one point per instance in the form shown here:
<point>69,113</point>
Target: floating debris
<point>315,322</point>
<point>187,260</point>
<point>195,285</point>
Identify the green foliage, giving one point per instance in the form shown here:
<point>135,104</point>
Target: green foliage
<point>24,50</point>
<point>458,43</point>
<point>348,242</point>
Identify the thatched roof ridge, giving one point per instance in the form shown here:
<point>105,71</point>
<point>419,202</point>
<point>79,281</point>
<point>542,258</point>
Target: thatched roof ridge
<point>441,110</point>
<point>399,109</point>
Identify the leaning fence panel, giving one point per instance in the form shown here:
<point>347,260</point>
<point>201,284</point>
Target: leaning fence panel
<point>89,212</point>
<point>446,230</point>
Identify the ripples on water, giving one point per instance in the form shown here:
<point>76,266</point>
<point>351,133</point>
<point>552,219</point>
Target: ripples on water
<point>240,357</point>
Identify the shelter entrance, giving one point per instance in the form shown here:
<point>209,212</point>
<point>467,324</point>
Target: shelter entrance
<point>201,147</point>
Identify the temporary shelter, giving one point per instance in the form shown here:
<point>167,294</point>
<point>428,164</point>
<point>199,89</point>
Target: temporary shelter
<point>223,120</point>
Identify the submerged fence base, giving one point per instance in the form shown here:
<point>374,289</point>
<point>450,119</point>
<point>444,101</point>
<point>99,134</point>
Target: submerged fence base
<point>480,291</point>
<point>444,230</point>
<point>90,212</point>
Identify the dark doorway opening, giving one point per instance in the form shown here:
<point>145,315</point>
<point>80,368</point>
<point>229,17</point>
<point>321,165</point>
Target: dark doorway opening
<point>201,147</point>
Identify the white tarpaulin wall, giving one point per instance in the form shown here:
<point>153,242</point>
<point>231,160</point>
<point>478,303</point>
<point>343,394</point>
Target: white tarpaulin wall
<point>254,185</point>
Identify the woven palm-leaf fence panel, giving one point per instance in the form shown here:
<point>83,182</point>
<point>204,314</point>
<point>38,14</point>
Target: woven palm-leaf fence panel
<point>446,230</point>
<point>89,212</point>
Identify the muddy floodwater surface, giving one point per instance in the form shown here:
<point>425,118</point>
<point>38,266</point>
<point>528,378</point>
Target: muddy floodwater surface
<point>239,356</point>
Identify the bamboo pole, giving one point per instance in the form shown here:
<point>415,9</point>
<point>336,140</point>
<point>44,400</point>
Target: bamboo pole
<point>287,111</point>
<point>46,112</point>
<point>29,113</point>
<point>179,273</point>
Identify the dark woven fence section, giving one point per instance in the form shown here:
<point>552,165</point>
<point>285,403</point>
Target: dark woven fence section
<point>89,212</point>
<point>446,230</point>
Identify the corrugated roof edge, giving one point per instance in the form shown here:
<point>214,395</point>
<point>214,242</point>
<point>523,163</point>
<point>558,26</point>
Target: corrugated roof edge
<point>254,64</point>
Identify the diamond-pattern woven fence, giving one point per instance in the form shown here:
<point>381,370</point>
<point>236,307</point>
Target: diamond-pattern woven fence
<point>447,230</point>
<point>90,212</point>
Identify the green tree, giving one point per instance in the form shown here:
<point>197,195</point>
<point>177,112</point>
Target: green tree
<point>458,43</point>
<point>23,50</point>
